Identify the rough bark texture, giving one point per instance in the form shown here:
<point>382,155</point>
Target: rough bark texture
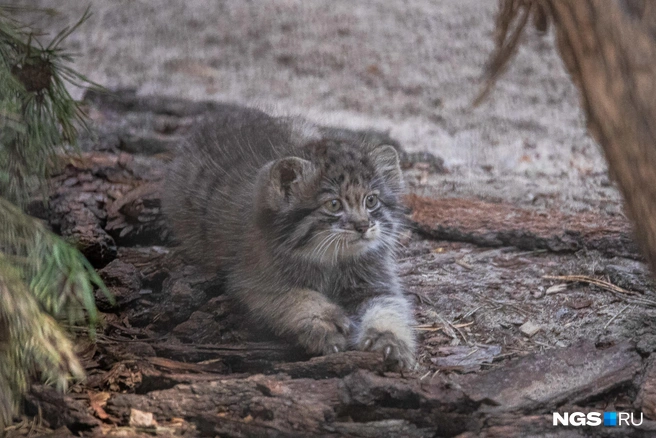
<point>177,357</point>
<point>499,224</point>
<point>609,47</point>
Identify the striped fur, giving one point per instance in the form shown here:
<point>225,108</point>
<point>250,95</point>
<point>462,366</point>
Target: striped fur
<point>251,195</point>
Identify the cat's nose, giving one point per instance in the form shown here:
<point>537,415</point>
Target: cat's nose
<point>361,227</point>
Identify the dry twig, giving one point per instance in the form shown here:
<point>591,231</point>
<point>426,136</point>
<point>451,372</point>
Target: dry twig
<point>616,315</point>
<point>590,280</point>
<point>433,328</point>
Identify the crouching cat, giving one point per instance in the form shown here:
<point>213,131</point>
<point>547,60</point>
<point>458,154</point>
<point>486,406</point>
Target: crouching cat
<point>304,227</point>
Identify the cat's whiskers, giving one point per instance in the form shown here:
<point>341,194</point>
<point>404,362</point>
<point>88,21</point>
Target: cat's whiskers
<point>334,239</point>
<point>324,242</point>
<point>390,241</point>
<point>340,243</point>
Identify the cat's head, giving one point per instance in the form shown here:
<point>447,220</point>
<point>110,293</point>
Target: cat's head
<point>333,202</point>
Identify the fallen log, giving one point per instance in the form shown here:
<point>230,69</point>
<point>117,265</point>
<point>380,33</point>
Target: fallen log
<point>498,225</point>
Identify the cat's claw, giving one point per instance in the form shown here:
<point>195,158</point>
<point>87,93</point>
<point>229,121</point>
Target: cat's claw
<point>396,352</point>
<point>325,332</point>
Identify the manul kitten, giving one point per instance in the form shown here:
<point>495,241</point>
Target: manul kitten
<point>304,225</point>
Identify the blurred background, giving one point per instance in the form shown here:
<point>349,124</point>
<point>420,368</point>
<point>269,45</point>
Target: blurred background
<point>411,67</point>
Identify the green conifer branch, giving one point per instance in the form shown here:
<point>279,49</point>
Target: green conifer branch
<point>43,280</point>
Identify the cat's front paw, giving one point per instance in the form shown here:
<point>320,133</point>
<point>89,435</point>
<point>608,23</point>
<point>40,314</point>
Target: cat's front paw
<point>396,352</point>
<point>325,332</point>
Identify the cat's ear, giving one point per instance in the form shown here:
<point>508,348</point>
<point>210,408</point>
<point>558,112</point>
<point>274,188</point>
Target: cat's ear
<point>386,161</point>
<point>279,180</point>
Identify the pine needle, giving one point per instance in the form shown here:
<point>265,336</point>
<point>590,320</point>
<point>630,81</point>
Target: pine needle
<point>590,280</point>
<point>43,280</point>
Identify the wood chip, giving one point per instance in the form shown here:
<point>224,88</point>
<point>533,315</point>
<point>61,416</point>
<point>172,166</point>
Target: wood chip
<point>556,288</point>
<point>97,401</point>
<point>580,303</point>
<point>141,419</point>
<point>529,328</point>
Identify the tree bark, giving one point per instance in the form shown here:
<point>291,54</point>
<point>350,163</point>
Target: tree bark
<point>609,48</point>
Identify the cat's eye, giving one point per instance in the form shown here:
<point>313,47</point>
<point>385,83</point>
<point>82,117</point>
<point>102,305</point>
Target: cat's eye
<point>371,201</point>
<point>333,206</point>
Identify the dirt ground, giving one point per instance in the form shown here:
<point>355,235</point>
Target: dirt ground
<point>531,295</point>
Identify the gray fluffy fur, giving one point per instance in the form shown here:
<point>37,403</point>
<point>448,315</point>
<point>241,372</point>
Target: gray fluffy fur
<point>251,195</point>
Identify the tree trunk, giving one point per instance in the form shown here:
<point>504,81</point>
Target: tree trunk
<point>609,47</point>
